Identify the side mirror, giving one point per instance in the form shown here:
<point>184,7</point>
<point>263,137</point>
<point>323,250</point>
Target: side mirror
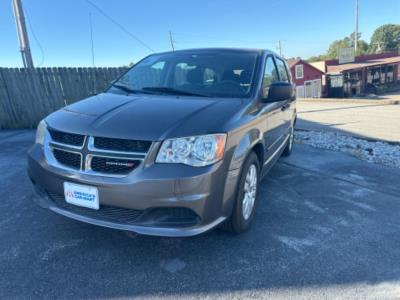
<point>279,91</point>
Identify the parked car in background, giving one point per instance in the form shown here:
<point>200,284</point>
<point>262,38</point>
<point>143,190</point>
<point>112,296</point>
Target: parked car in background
<point>176,146</point>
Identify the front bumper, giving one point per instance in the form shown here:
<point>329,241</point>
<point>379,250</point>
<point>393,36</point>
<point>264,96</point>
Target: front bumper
<point>156,199</point>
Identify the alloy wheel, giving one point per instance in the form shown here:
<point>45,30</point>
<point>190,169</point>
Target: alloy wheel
<point>250,192</point>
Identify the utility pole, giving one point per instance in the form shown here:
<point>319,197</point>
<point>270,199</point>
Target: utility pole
<point>22,34</point>
<point>356,27</point>
<point>171,41</point>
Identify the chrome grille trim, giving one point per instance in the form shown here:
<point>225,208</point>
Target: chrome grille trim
<point>87,152</point>
<point>68,145</point>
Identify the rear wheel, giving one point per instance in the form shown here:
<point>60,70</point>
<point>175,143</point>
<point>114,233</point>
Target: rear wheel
<point>243,211</point>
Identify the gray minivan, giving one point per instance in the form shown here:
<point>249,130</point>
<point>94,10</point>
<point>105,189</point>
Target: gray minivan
<point>174,147</point>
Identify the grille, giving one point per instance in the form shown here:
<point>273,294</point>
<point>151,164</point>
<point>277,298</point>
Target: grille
<point>121,145</point>
<point>72,160</point>
<point>113,165</point>
<point>67,138</point>
<point>97,155</point>
<point>110,213</point>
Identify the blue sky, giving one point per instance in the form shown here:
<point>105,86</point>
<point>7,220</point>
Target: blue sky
<point>62,27</point>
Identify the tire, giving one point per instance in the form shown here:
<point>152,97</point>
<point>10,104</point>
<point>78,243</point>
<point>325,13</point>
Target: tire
<point>289,146</point>
<point>241,218</point>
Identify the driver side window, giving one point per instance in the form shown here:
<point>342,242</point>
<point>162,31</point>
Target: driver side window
<point>144,75</point>
<point>270,75</point>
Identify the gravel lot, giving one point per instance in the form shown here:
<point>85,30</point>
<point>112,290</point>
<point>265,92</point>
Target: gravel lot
<point>374,152</point>
<point>327,226</point>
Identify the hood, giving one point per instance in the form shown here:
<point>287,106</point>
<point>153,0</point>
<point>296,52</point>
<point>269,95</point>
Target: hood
<point>144,117</point>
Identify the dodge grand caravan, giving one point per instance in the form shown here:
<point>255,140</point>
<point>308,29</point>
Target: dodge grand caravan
<point>174,147</point>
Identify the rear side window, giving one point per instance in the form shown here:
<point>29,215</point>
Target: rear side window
<point>283,74</point>
<point>270,75</point>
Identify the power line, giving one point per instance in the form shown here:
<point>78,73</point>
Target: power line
<point>28,18</point>
<point>213,41</point>
<point>92,48</point>
<point>91,37</point>
<point>119,25</point>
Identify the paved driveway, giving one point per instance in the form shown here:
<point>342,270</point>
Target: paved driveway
<point>371,120</point>
<point>327,226</point>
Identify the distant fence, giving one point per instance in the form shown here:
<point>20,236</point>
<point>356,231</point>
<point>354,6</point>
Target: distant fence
<point>26,96</point>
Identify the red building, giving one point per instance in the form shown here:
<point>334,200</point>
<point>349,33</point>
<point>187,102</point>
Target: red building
<point>309,80</point>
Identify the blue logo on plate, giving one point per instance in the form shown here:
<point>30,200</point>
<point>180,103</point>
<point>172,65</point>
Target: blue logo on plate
<point>84,196</point>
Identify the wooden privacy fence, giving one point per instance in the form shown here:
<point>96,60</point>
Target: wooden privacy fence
<point>28,95</point>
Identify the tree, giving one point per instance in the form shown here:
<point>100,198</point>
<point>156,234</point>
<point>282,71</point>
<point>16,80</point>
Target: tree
<point>347,42</point>
<point>317,58</point>
<point>385,38</point>
<point>333,50</point>
<point>362,47</point>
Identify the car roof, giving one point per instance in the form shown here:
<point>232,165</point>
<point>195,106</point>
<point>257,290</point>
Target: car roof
<point>253,50</point>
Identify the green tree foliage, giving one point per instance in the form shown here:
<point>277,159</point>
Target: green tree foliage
<point>348,41</point>
<point>333,50</point>
<point>317,58</point>
<point>362,47</point>
<point>385,38</point>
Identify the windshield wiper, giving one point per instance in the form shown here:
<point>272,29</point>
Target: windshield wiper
<point>129,90</point>
<point>172,91</point>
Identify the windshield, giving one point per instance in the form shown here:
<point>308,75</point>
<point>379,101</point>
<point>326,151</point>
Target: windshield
<point>221,73</point>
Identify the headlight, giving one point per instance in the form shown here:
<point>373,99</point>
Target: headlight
<point>41,132</point>
<point>195,151</point>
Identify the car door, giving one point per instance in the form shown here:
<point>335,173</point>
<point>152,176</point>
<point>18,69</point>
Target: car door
<point>287,106</point>
<point>274,115</point>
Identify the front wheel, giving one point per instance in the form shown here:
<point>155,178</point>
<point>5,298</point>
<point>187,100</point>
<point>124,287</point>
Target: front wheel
<point>246,196</point>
